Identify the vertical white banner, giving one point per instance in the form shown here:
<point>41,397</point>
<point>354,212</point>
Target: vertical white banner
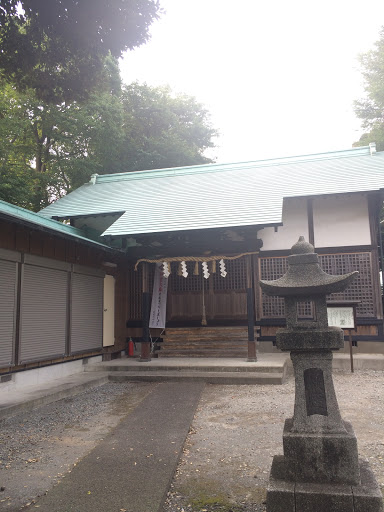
<point>159,300</point>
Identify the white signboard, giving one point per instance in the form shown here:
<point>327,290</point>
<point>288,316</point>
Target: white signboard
<point>341,317</point>
<point>159,300</point>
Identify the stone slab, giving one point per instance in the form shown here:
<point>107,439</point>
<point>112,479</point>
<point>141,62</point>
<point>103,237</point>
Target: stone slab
<point>281,496</point>
<point>323,497</point>
<point>230,378</point>
<point>315,497</point>
<point>367,497</point>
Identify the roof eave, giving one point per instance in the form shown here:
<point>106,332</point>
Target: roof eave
<point>60,234</point>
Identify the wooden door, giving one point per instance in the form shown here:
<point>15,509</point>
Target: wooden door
<point>224,297</point>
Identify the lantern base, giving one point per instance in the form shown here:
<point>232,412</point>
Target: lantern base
<point>287,496</point>
<point>319,457</point>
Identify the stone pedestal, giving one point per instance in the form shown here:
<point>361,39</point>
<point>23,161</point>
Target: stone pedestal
<point>320,470</point>
<point>321,458</point>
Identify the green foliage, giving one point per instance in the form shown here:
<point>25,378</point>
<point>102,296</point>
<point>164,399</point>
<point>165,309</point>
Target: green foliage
<point>371,109</point>
<point>162,130</point>
<point>58,47</point>
<point>48,150</point>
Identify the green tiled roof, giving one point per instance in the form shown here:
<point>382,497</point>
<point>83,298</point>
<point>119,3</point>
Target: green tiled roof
<point>219,195</point>
<point>26,217</point>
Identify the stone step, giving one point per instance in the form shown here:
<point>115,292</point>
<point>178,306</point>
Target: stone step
<point>230,378</point>
<point>217,368</point>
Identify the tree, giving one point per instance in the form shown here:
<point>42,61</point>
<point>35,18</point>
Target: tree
<point>162,130</point>
<point>371,109</point>
<point>49,150</point>
<point>58,47</point>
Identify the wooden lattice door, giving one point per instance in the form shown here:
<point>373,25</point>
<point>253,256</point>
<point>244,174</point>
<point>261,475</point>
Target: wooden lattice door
<point>224,297</point>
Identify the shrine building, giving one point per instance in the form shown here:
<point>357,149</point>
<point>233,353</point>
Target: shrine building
<point>206,235</point>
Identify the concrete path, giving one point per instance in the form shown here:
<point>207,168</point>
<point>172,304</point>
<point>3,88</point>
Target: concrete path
<point>132,468</point>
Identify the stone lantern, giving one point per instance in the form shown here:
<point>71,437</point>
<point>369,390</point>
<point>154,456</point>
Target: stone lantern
<point>320,470</point>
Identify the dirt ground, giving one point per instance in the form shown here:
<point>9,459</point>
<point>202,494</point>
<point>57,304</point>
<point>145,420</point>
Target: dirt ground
<point>237,430</point>
<point>227,457</point>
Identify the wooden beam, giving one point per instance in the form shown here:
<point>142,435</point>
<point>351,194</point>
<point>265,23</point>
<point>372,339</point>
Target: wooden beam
<point>311,230</point>
<point>146,310</point>
<point>250,311</point>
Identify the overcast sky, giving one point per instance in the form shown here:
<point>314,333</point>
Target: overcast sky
<point>278,76</point>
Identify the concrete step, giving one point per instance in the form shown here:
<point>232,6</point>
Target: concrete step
<point>230,378</point>
<point>217,368</point>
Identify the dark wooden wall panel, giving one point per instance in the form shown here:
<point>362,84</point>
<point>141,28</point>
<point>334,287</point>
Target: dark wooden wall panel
<point>48,247</point>
<point>7,238</point>
<point>21,239</point>
<point>59,251</point>
<point>36,243</point>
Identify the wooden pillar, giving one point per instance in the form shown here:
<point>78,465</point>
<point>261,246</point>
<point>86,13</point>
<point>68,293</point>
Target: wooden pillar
<point>250,312</point>
<point>146,310</point>
<point>311,230</point>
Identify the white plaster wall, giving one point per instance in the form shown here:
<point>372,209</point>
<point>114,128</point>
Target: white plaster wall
<point>47,374</point>
<point>295,224</point>
<point>341,221</point>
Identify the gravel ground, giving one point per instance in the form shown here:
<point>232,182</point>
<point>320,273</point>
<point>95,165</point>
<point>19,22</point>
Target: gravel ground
<point>237,430</point>
<point>227,456</point>
<point>38,447</point>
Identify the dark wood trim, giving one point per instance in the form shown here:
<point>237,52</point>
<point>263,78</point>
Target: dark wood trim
<point>374,207</point>
<point>256,289</point>
<point>17,317</point>
<point>311,232</point>
<point>69,315</point>
<point>361,339</point>
<point>146,345</point>
<point>321,250</point>
<point>250,315</point>
<point>273,254</point>
<point>345,249</point>
<point>280,322</point>
<point>146,310</point>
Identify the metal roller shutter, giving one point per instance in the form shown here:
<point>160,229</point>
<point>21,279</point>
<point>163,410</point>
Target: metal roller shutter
<point>86,312</point>
<point>8,279</point>
<point>43,313</point>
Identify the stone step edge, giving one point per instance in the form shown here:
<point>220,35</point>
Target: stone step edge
<point>208,377</point>
<point>187,369</point>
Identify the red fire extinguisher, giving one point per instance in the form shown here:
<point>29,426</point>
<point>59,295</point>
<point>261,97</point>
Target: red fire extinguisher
<point>130,348</point>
